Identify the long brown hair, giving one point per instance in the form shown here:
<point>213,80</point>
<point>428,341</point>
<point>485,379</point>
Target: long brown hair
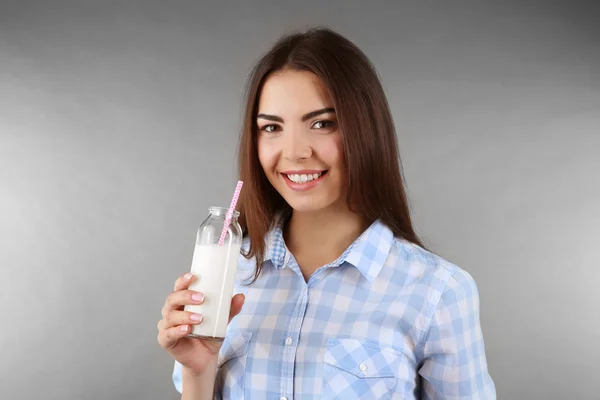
<point>374,176</point>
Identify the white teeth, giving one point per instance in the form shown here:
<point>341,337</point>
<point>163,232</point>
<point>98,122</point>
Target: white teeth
<point>297,178</point>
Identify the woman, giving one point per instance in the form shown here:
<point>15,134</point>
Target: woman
<point>340,298</point>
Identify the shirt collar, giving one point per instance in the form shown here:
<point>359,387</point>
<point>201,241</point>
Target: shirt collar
<point>367,253</point>
<point>275,246</point>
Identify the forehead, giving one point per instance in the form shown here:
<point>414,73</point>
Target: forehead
<point>292,92</point>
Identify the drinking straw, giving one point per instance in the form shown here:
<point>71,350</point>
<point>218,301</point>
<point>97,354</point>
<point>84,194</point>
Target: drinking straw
<point>230,211</point>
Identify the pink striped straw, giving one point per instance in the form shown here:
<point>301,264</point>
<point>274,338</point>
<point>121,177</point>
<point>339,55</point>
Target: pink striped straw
<point>230,211</point>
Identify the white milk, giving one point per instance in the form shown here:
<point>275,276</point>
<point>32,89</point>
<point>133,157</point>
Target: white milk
<point>215,268</point>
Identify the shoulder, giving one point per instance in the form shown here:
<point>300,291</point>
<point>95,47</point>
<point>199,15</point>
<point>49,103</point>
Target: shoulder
<point>441,290</point>
<point>430,262</point>
<point>444,279</point>
<point>246,266</point>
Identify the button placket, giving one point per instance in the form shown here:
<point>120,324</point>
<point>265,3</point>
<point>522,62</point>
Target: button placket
<point>291,338</point>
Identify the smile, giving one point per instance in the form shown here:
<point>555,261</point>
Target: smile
<point>303,180</point>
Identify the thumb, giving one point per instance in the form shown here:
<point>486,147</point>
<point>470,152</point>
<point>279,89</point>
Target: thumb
<point>236,305</point>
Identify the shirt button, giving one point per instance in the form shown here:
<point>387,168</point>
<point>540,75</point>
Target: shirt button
<point>288,342</point>
<point>283,398</point>
<point>362,367</point>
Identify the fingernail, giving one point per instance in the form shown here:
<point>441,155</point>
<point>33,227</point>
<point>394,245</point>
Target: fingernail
<point>188,276</point>
<point>199,297</point>
<point>183,328</point>
<point>196,317</point>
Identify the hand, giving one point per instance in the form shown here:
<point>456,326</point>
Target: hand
<point>192,353</point>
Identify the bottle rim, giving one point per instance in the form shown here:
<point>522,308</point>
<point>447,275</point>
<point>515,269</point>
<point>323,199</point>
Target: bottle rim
<point>222,211</point>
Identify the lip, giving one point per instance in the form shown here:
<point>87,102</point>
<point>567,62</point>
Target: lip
<point>303,171</point>
<point>306,185</point>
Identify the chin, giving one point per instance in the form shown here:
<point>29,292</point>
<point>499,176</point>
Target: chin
<point>306,208</point>
<point>308,205</point>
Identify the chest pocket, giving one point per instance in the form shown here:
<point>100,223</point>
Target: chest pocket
<point>359,369</point>
<point>232,366</point>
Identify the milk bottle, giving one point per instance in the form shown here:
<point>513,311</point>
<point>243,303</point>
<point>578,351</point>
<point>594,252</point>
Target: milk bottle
<point>214,265</point>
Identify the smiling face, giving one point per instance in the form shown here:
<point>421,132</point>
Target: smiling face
<point>299,143</point>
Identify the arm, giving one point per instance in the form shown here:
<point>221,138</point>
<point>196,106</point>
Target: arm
<point>193,386</point>
<point>198,387</point>
<point>454,362</point>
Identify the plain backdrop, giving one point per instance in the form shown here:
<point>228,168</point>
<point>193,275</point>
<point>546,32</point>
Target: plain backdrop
<point>119,123</point>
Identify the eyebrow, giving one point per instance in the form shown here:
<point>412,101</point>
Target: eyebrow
<point>305,117</point>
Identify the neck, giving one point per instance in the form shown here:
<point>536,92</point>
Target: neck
<point>318,238</point>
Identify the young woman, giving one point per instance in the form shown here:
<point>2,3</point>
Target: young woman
<point>340,298</point>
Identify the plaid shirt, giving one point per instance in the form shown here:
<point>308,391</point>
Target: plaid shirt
<point>386,320</point>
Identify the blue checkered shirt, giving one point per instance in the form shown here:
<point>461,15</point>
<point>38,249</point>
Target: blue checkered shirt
<point>386,320</point>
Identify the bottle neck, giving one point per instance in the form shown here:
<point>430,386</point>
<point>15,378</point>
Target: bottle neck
<point>221,212</point>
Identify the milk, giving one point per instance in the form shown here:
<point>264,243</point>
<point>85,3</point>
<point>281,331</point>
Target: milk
<point>215,269</point>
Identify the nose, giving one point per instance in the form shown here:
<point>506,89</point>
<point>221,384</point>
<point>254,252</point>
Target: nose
<point>296,146</point>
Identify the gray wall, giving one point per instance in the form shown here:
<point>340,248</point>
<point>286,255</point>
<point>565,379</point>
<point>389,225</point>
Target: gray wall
<point>118,128</point>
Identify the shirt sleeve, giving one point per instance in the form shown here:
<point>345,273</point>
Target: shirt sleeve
<point>177,378</point>
<point>454,362</point>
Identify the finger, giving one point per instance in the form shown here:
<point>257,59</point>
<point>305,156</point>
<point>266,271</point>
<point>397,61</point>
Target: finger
<point>183,282</point>
<point>236,305</point>
<point>168,338</point>
<point>176,300</point>
<point>175,318</point>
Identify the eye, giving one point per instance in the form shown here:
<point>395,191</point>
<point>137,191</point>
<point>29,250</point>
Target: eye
<point>270,128</point>
<point>323,124</point>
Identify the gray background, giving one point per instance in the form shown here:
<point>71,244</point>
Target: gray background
<point>119,125</point>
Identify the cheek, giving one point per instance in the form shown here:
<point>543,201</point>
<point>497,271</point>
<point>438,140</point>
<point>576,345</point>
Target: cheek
<point>332,152</point>
<point>266,156</point>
